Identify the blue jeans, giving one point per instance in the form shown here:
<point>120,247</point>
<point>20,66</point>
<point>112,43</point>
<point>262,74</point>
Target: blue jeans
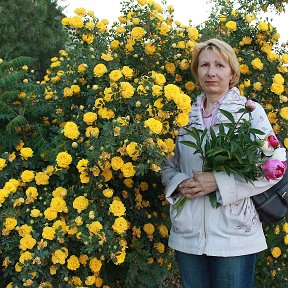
<point>202,271</point>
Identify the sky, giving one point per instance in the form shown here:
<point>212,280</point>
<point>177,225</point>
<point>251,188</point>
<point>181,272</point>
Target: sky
<point>110,9</point>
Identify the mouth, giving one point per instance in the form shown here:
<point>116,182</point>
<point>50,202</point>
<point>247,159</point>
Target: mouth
<point>211,82</point>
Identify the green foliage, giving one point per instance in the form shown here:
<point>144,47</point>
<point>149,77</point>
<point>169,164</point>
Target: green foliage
<point>232,148</point>
<point>272,263</point>
<point>31,28</point>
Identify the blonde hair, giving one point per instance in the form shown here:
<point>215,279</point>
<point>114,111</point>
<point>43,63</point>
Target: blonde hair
<point>225,50</point>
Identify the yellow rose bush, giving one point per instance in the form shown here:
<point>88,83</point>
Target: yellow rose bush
<point>81,200</point>
<point>84,181</point>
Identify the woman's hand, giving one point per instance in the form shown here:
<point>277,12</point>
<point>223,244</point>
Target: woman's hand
<point>202,183</point>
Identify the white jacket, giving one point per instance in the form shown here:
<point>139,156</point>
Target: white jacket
<point>232,229</point>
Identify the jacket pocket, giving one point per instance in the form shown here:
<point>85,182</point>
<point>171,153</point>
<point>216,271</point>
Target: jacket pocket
<point>182,223</point>
<point>241,217</point>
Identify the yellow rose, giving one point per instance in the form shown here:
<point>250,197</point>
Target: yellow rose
<point>92,132</point>
<point>63,159</point>
<point>76,22</point>
<point>286,146</point>
<point>137,33</point>
<point>95,227</point>
<point>117,208</point>
<point>182,119</point>
<point>95,265</point>
<point>244,69</point>
<point>82,68</point>
<point>99,70</point>
<point>278,79</point>
<point>193,33</point>
<point>155,126</point>
<point>73,263</point>
<point>276,252</point>
<point>250,17</point>
<point>71,130</point>
<point>24,257</point>
<point>171,91</point>
<point>190,86</point>
<point>149,228</point>
<point>277,88</point>
<point>257,64</point>
<point>150,49</point>
<point>128,170</point>
<point>120,30</point>
<point>48,233</point>
<point>231,25</point>
<point>89,118</point>
<point>284,112</point>
<point>120,225</point>
<point>257,86</point>
<point>58,204</point>
<point>115,75</point>
<point>27,242</point>
<point>262,26</point>
<point>42,178</point>
<point>58,256</point>
<point>2,163</point>
<point>127,90</point>
<point>108,193</point>
<point>35,213</point>
<point>88,38</point>
<point>159,247</point>
<point>80,11</point>
<point>117,163</point>
<point>10,223</point>
<point>26,153</point>
<point>115,44</point>
<point>80,203</point>
<point>156,90</point>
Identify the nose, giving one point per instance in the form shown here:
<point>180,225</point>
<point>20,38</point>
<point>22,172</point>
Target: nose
<point>211,71</point>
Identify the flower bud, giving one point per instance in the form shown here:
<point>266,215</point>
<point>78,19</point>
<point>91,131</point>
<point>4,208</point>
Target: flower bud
<point>273,141</point>
<point>250,105</point>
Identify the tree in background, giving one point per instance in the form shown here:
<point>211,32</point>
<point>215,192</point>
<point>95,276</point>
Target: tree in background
<point>31,28</point>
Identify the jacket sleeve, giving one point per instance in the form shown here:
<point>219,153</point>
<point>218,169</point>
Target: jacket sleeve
<point>172,176</point>
<point>233,188</point>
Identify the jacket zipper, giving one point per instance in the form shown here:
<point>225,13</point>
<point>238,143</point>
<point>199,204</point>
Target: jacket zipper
<point>204,226</point>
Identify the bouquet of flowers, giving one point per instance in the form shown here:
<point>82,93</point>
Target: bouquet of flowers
<point>236,148</point>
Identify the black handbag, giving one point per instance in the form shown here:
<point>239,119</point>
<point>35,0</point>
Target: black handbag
<point>272,205</point>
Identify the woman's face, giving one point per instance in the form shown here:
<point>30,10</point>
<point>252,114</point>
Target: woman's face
<point>214,73</point>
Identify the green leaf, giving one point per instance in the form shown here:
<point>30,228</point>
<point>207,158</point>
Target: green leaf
<point>213,200</point>
<point>256,131</point>
<point>228,115</point>
<point>195,133</point>
<point>213,135</point>
<point>190,144</point>
<point>215,151</point>
<point>219,160</point>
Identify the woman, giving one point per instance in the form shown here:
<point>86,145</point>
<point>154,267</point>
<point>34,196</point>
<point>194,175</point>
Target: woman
<point>215,248</point>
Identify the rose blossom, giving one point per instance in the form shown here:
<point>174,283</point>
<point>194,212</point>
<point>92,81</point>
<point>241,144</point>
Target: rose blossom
<point>273,141</point>
<point>274,169</point>
<point>279,154</point>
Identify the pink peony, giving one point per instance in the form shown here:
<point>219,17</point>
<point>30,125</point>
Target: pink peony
<point>274,169</point>
<point>273,141</point>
